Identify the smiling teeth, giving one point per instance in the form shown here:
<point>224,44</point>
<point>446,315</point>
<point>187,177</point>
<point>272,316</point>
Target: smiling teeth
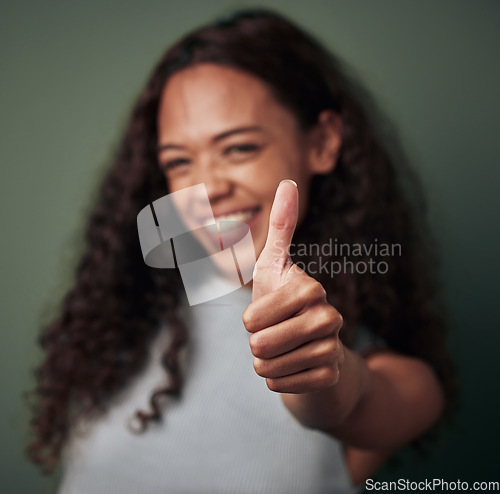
<point>241,216</point>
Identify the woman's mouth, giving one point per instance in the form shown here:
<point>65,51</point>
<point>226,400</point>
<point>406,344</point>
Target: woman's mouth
<point>230,226</point>
<point>243,216</point>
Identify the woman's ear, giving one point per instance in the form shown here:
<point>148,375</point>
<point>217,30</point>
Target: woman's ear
<point>326,141</point>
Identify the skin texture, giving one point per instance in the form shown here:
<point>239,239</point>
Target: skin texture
<point>373,406</point>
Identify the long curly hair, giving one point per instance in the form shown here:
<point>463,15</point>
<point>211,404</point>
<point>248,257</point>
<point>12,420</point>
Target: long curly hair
<point>100,337</point>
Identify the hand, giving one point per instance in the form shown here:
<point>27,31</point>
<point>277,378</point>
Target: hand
<point>295,331</point>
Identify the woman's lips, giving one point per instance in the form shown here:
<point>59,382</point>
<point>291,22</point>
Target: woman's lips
<point>228,228</point>
<point>243,215</point>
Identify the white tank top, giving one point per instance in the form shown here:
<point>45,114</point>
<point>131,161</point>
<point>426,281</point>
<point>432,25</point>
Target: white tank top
<point>228,433</point>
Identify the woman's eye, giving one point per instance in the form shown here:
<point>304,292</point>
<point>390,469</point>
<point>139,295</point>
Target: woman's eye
<point>241,150</point>
<point>170,165</point>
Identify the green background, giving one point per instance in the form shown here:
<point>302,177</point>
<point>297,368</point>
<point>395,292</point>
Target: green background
<point>69,74</point>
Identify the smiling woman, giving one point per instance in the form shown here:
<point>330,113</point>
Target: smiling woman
<point>355,363</point>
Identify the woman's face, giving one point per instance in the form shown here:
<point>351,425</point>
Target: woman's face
<point>223,128</point>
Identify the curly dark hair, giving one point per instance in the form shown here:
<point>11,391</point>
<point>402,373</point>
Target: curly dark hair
<point>102,331</point>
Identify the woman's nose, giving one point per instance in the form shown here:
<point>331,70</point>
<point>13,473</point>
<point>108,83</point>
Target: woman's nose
<point>216,181</point>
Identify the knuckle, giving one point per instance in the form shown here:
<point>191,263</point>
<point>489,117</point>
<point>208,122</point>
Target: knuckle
<point>258,346</point>
<point>325,320</point>
<point>327,376</point>
<point>310,290</point>
<point>249,319</point>
<point>318,291</point>
<point>327,350</point>
<point>259,366</point>
<point>272,384</point>
<point>339,320</point>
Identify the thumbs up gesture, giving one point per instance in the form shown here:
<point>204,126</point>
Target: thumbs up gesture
<point>295,331</point>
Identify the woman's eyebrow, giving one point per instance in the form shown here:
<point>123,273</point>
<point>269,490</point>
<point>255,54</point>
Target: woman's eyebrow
<point>238,130</point>
<point>218,137</point>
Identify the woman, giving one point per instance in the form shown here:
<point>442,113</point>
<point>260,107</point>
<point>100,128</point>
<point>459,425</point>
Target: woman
<point>243,105</point>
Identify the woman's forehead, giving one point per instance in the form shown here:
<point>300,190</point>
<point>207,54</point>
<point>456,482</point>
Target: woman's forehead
<point>212,98</point>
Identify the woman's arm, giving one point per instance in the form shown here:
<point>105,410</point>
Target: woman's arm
<point>381,403</point>
<point>363,463</point>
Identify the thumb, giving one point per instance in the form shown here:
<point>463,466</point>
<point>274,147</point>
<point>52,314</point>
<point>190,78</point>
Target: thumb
<point>275,257</point>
